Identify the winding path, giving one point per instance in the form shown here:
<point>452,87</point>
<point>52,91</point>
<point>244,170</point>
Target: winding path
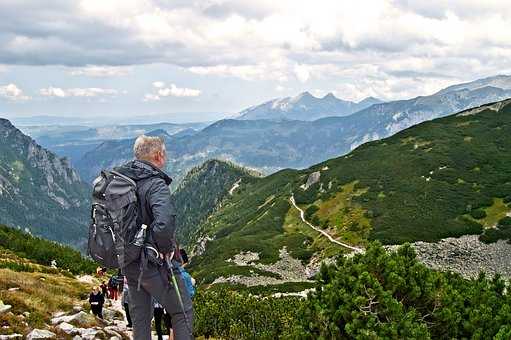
<point>324,233</point>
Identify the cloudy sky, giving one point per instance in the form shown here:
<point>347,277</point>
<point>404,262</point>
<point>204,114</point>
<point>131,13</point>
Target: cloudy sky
<point>207,59</point>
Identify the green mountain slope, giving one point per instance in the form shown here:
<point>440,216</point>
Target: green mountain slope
<point>446,177</point>
<point>202,191</point>
<point>40,191</point>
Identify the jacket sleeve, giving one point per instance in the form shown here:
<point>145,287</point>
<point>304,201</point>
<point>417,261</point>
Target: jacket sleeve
<point>164,216</point>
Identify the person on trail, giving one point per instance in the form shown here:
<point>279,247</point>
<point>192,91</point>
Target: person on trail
<point>104,289</point>
<point>112,288</point>
<point>126,303</point>
<point>96,300</point>
<point>159,315</point>
<point>182,259</point>
<point>156,272</point>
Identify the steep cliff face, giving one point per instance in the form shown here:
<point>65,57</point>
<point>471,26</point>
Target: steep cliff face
<point>39,191</point>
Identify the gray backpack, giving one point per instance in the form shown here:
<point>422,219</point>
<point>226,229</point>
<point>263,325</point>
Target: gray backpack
<point>115,238</point>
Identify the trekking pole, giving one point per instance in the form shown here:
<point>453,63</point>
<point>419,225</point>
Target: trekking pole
<point>178,293</point>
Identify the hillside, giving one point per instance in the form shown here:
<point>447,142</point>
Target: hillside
<point>269,146</point>
<point>39,191</point>
<point>442,178</point>
<point>201,192</point>
<point>306,107</point>
<point>34,289</point>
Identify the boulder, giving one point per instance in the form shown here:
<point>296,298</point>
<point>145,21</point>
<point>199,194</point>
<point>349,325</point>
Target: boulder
<point>4,308</point>
<point>109,314</point>
<point>77,309</point>
<point>41,334</point>
<point>67,328</point>
<point>78,318</point>
<point>91,333</point>
<point>11,336</point>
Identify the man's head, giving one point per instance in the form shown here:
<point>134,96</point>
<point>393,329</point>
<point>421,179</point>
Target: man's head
<point>151,149</point>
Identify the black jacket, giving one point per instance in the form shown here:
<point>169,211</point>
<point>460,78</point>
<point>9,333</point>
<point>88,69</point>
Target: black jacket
<point>157,209</point>
<point>99,298</point>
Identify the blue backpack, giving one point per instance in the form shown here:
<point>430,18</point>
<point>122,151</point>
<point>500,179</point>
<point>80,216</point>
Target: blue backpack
<point>187,279</point>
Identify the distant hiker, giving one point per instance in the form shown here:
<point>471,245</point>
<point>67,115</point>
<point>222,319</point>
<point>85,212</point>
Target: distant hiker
<point>96,300</point>
<point>159,315</point>
<point>188,280</point>
<point>120,279</point>
<point>100,271</point>
<point>112,288</point>
<point>125,303</point>
<point>53,264</point>
<point>104,289</point>
<point>184,257</point>
<point>155,273</point>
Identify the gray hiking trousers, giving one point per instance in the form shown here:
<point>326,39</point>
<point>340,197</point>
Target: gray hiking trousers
<point>155,282</point>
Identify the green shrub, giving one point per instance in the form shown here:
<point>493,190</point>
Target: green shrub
<point>310,211</point>
<point>226,314</point>
<point>506,221</point>
<point>478,214</point>
<point>380,295</point>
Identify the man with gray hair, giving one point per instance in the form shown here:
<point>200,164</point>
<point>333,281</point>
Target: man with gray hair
<point>149,276</point>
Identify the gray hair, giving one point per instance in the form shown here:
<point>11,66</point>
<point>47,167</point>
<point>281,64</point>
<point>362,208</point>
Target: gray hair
<point>146,147</point>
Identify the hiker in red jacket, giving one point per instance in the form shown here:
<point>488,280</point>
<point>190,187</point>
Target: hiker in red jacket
<point>112,288</point>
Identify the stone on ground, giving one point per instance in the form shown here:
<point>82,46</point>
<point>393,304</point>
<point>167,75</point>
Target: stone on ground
<point>40,334</point>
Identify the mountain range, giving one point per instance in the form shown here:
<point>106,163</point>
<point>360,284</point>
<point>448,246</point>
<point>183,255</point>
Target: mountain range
<point>271,145</point>
<point>305,107</point>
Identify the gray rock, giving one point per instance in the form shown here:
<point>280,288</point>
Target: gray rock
<point>11,336</point>
<point>41,334</point>
<point>4,308</point>
<point>109,314</point>
<point>78,318</point>
<point>313,179</point>
<point>67,328</point>
<point>77,309</point>
<point>91,333</point>
<point>77,337</point>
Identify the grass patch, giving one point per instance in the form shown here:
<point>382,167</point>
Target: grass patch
<point>494,213</point>
<point>39,294</point>
<point>343,216</point>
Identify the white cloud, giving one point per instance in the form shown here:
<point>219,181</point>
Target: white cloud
<point>301,72</point>
<point>276,70</point>
<point>381,42</point>
<point>12,92</point>
<point>101,71</point>
<point>77,92</point>
<point>175,91</point>
<point>53,92</point>
<point>172,91</point>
